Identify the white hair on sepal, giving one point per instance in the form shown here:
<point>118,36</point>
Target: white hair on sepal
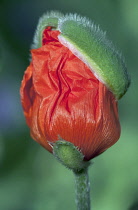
<point>86,22</point>
<point>91,27</point>
<point>42,23</point>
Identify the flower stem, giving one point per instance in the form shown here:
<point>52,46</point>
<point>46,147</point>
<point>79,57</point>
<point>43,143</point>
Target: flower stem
<point>82,186</point>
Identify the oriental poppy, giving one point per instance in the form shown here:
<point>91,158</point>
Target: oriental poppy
<point>68,93</point>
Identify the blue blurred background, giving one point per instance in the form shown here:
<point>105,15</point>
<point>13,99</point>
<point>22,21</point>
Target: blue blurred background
<point>30,177</point>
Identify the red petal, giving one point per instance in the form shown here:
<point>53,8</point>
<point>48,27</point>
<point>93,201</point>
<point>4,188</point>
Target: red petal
<point>68,100</point>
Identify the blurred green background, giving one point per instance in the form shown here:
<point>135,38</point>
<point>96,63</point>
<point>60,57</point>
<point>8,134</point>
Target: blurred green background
<point>30,177</point>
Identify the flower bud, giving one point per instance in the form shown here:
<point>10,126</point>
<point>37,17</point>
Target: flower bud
<point>72,84</point>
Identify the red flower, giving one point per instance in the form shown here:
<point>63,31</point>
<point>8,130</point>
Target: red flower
<point>61,97</point>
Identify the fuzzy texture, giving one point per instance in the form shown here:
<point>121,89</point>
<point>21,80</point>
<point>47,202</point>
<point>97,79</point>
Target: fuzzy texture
<point>48,19</point>
<point>91,45</point>
<point>69,155</point>
<point>82,186</point>
<point>86,40</point>
<point>61,97</point>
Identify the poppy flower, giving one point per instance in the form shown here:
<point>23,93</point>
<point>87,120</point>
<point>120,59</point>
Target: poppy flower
<point>64,96</point>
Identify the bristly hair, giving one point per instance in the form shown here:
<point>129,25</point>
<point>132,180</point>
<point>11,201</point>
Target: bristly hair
<point>93,28</point>
<point>44,21</point>
<point>91,45</point>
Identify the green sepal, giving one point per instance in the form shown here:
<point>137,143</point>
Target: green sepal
<point>91,45</point>
<point>69,155</point>
<point>48,19</point>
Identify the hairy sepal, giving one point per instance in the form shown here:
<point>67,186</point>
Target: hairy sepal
<point>69,155</point>
<point>48,19</point>
<point>91,45</point>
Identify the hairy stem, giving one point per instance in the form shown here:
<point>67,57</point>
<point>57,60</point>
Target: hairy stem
<point>82,186</point>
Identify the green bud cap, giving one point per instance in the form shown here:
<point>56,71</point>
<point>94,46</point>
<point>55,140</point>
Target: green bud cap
<point>69,155</point>
<point>91,45</point>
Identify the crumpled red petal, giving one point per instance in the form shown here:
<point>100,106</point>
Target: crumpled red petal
<point>62,98</point>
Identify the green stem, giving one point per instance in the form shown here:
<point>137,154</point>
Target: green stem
<point>82,185</point>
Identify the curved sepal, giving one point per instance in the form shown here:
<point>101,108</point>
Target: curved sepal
<point>69,155</point>
<point>48,19</point>
<point>91,45</point>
